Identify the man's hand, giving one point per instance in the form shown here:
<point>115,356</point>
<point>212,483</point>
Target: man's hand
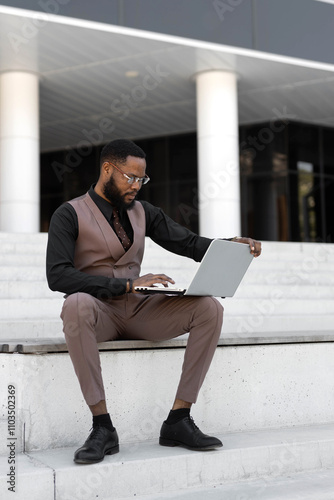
<point>152,280</point>
<point>255,246</point>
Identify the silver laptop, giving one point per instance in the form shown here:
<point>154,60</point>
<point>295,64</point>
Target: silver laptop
<point>219,274</point>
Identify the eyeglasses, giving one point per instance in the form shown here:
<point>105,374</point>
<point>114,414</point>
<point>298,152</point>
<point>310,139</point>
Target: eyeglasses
<point>131,178</point>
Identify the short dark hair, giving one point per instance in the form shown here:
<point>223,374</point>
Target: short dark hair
<point>119,150</point>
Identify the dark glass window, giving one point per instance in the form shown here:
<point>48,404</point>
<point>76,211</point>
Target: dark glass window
<point>264,186</point>
<point>51,187</point>
<point>287,182</point>
<point>286,179</point>
<point>65,175</point>
<point>328,182</point>
<point>171,164</point>
<point>304,173</point>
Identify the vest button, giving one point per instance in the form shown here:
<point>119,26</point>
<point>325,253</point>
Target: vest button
<point>115,267</point>
<point>130,267</point>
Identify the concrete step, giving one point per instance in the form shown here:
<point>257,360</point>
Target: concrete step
<point>30,328</point>
<point>146,468</point>
<point>238,326</point>
<point>314,485</point>
<point>247,387</point>
<point>269,321</point>
<point>283,292</point>
<point>32,246</point>
<point>11,243</point>
<point>307,265</point>
<point>22,273</point>
<point>282,306</point>
<point>56,345</point>
<point>261,322</point>
<point>320,253</point>
<point>30,308</point>
<point>23,249</point>
<point>23,237</point>
<point>36,289</point>
<point>288,277</point>
<point>26,259</point>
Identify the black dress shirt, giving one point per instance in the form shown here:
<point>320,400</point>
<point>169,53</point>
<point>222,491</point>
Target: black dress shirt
<point>64,277</point>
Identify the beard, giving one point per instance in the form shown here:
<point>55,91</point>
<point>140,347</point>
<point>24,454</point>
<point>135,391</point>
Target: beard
<point>117,200</point>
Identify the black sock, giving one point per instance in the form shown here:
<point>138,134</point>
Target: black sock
<point>177,415</point>
<point>103,421</point>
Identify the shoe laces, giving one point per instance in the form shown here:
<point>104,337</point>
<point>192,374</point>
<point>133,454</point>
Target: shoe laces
<point>191,420</point>
<point>95,431</point>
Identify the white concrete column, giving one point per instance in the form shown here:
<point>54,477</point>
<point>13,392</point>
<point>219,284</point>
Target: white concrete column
<point>19,152</point>
<point>218,155</point>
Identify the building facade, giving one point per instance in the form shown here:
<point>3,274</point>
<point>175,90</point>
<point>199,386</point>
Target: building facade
<point>232,100</point>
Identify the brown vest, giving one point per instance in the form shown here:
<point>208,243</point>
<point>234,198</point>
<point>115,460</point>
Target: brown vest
<point>98,250</point>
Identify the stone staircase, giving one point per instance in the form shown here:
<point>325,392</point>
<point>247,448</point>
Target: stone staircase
<point>268,395</point>
<point>289,288</point>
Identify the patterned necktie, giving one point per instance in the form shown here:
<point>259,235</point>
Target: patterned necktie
<point>119,229</point>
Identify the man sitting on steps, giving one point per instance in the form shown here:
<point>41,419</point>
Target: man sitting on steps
<point>94,254</point>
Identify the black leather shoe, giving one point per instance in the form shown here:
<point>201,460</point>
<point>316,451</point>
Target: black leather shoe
<point>186,433</point>
<point>100,442</point>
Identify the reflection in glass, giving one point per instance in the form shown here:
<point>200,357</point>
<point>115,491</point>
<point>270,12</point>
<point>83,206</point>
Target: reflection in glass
<point>306,201</point>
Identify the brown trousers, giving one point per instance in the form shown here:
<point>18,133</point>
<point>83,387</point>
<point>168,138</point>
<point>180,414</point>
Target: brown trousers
<point>88,320</point>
